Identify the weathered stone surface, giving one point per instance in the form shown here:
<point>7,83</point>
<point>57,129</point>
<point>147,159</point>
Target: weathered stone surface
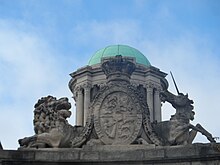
<point>196,154</point>
<point>50,124</point>
<point>117,120</point>
<point>179,131</point>
<point>154,154</point>
<point>119,114</point>
<point>89,155</point>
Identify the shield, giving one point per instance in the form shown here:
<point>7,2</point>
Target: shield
<point>117,116</point>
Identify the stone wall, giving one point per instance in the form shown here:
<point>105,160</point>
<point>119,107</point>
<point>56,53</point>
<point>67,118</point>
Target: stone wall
<point>196,154</point>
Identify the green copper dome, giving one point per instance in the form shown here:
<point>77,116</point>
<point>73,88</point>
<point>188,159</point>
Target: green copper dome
<point>114,50</point>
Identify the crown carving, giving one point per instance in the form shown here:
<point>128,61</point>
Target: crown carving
<point>118,68</point>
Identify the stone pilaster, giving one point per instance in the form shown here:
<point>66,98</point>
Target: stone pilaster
<point>150,100</point>
<point>157,105</point>
<point>87,89</point>
<point>79,107</point>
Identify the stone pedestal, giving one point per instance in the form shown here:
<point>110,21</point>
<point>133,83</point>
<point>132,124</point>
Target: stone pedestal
<point>195,154</point>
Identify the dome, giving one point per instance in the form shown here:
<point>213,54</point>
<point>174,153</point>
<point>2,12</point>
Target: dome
<point>114,50</point>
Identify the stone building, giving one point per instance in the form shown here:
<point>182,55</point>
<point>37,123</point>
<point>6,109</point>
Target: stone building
<point>89,78</point>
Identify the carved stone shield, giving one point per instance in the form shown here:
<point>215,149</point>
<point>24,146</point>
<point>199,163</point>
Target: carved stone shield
<point>117,115</point>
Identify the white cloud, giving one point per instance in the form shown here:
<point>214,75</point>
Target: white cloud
<point>117,31</point>
<point>29,69</point>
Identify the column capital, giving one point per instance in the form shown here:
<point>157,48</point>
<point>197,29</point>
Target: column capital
<point>101,85</point>
<point>133,83</point>
<point>158,88</point>
<point>156,91</point>
<point>150,85</point>
<point>78,90</point>
<point>87,86</point>
<point>136,83</point>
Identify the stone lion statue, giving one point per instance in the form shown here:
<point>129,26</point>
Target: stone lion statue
<point>51,127</point>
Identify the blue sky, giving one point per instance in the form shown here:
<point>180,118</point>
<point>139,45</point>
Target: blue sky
<point>42,41</point>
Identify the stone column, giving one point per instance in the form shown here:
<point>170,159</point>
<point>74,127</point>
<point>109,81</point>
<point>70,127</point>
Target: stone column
<point>150,100</point>
<point>87,89</point>
<point>157,105</point>
<point>79,108</point>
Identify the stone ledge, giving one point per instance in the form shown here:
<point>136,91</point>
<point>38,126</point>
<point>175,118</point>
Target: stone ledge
<point>132,154</point>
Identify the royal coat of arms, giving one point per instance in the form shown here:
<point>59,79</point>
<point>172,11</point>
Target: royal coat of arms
<point>118,115</point>
<point>118,119</point>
